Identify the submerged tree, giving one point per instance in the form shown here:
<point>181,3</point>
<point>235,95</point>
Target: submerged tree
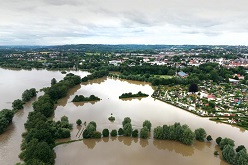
<point>200,134</point>
<point>144,132</point>
<point>147,124</point>
<point>228,154</point>
<point>226,141</point>
<point>79,122</point>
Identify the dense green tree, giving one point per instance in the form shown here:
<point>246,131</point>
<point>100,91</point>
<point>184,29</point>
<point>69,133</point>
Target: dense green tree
<point>28,94</point>
<point>89,131</point>
<point>96,135</point>
<point>144,132</point>
<point>87,134</point>
<point>200,134</point>
<point>6,117</point>
<point>241,158</point>
<point>42,135</point>
<point>34,161</point>
<point>218,140</point>
<point>39,151</point>
<point>127,129</point>
<point>240,147</point>
<point>3,124</point>
<point>7,114</point>
<point>62,133</point>
<point>53,81</point>
<point>172,132</point>
<point>166,132</point>
<point>79,122</point>
<point>226,141</point>
<point>209,138</point>
<point>17,104</point>
<point>135,133</point>
<point>44,105</point>
<point>33,120</point>
<point>158,132</point>
<point>105,132</point>
<point>93,123</point>
<point>179,131</point>
<point>64,118</point>
<point>228,154</point>
<point>125,121</point>
<point>113,133</point>
<point>120,131</point>
<point>81,98</point>
<point>188,137</point>
<point>148,124</point>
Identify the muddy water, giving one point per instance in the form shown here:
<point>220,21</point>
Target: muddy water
<point>118,150</point>
<point>12,84</point>
<point>124,151</point>
<point>131,151</point>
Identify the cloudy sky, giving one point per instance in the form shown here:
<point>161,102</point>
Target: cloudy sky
<point>54,22</point>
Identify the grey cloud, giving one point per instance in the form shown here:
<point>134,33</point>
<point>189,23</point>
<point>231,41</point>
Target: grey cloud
<point>64,2</point>
<point>39,20</point>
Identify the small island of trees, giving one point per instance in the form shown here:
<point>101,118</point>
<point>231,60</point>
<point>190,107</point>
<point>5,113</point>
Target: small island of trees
<point>130,95</point>
<point>80,98</point>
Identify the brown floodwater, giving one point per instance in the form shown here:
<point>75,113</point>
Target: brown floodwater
<point>12,85</point>
<point>123,150</point>
<point>120,150</point>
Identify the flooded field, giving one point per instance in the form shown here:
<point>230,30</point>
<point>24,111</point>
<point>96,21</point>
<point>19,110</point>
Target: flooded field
<point>123,150</point>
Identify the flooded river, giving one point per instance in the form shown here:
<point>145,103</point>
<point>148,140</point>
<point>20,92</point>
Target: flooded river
<point>12,85</point>
<point>108,151</point>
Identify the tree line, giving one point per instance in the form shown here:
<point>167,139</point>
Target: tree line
<point>41,132</point>
<point>206,71</point>
<point>6,115</point>
<point>80,98</point>
<point>130,95</point>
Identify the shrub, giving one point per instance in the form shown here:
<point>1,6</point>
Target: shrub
<point>120,132</point>
<point>113,133</point>
<point>105,133</point>
<point>135,133</point>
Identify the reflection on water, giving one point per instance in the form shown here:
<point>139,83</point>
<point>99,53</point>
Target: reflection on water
<point>144,142</point>
<point>95,81</point>
<point>91,143</point>
<point>130,99</point>
<point>109,151</point>
<point>174,146</point>
<point>82,103</point>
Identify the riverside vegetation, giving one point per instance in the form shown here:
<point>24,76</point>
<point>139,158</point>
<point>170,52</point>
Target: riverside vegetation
<point>6,115</point>
<point>39,139</point>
